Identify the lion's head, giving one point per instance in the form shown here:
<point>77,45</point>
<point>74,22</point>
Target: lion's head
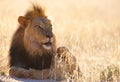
<point>38,35</point>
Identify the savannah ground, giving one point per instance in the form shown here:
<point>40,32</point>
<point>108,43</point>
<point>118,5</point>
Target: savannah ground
<point>89,28</point>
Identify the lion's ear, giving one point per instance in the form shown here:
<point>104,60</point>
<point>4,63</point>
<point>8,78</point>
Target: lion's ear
<point>23,21</point>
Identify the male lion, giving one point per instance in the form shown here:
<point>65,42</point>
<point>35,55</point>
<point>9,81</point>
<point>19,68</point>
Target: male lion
<point>33,46</point>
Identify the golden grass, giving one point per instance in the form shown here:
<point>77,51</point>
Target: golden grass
<point>89,28</point>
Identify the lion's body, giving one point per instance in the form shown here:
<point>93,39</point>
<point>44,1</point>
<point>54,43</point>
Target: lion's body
<point>33,45</point>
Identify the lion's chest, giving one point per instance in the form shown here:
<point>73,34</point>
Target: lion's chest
<point>40,62</point>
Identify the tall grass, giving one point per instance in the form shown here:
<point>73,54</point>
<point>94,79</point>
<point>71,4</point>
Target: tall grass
<point>89,28</point>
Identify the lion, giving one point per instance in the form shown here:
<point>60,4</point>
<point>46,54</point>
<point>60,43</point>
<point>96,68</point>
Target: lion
<point>33,46</point>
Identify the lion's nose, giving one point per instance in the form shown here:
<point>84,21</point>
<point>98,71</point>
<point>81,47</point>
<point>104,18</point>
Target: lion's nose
<point>49,34</point>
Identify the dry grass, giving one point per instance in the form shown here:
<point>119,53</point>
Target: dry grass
<point>90,28</point>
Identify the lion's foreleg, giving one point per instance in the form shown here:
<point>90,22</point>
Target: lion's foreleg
<point>41,74</point>
<point>19,72</point>
<point>31,73</point>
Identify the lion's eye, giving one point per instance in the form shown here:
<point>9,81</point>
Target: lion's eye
<point>38,26</point>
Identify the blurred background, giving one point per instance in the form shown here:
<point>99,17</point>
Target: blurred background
<point>89,28</point>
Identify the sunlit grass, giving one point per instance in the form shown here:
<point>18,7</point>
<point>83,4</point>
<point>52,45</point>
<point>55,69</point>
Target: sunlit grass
<point>90,29</point>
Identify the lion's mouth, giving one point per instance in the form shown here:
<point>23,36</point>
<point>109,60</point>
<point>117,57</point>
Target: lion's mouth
<point>47,45</point>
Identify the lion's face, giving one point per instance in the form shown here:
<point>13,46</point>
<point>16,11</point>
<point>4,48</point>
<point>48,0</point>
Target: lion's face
<point>38,34</point>
<point>40,30</point>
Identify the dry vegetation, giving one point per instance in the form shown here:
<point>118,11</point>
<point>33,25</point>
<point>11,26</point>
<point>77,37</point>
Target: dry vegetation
<point>89,28</point>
